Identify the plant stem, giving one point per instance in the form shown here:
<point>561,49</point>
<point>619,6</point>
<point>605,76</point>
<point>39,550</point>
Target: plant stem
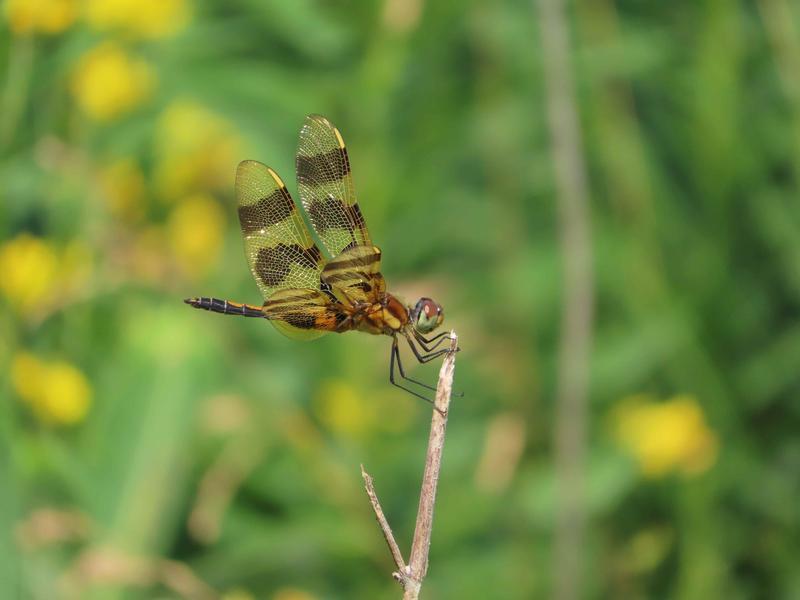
<point>576,322</point>
<point>410,576</point>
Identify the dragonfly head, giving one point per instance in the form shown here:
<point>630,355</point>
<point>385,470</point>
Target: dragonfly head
<point>427,315</point>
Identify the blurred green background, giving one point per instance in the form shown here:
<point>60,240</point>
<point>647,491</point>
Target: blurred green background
<point>150,450</point>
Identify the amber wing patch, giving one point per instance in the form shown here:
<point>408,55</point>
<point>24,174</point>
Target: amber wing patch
<point>302,313</point>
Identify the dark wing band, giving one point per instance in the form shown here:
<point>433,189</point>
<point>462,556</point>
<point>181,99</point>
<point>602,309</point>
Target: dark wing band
<point>326,187</point>
<point>280,250</point>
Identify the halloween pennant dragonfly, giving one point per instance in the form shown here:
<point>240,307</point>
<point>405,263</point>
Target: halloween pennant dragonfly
<point>312,290</point>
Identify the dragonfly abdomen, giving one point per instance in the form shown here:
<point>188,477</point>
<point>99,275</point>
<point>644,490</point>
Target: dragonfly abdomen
<point>226,307</point>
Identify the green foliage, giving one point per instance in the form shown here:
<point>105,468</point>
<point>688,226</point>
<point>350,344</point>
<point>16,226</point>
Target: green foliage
<point>135,430</point>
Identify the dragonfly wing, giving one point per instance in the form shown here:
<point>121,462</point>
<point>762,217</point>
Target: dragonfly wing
<point>280,250</point>
<point>326,187</point>
<point>282,255</point>
<point>302,313</point>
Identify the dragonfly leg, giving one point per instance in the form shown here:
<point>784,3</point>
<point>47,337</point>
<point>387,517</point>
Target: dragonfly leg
<point>423,343</point>
<point>344,325</point>
<point>422,338</point>
<point>403,373</point>
<point>423,358</point>
<point>395,356</point>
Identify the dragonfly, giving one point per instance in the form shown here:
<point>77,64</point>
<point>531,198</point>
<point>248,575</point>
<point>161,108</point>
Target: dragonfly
<point>310,290</point>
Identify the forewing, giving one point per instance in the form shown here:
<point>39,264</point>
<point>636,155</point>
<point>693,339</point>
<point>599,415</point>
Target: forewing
<point>326,187</point>
<point>354,276</point>
<point>279,247</point>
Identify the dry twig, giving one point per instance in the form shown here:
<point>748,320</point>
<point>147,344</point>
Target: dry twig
<point>411,575</point>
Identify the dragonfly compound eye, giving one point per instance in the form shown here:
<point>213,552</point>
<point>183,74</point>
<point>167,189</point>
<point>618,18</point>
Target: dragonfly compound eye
<point>428,315</point>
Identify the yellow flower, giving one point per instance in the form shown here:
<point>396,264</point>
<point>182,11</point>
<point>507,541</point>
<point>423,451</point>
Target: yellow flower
<point>26,372</point>
<point>34,275</point>
<point>139,18</point>
<point>29,267</point>
<point>57,392</point>
<point>65,394</point>
<point>124,187</point>
<point>42,16</point>
<point>195,231</point>
<point>665,436</point>
<point>342,409</point>
<point>107,82</point>
<point>197,151</point>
